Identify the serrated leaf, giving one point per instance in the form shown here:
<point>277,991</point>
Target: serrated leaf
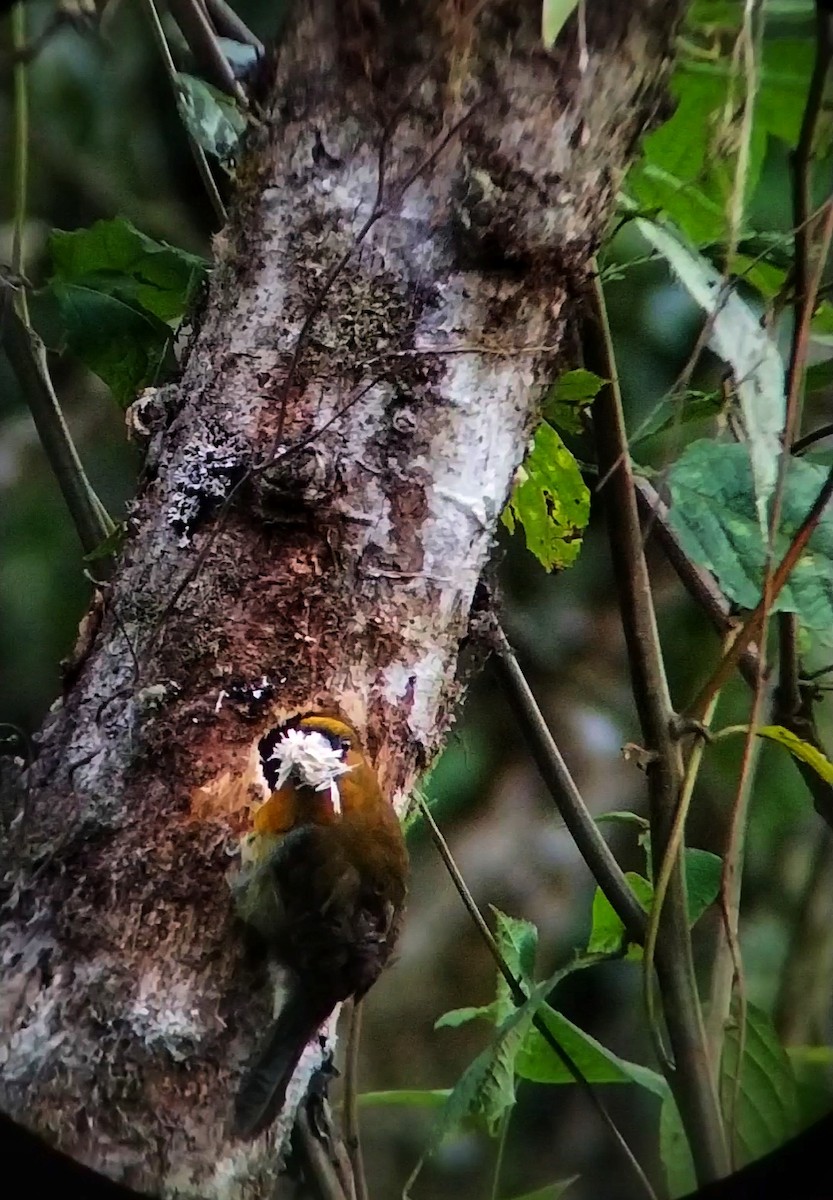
<point>517,940</point>
<point>405,1098</point>
<point>551,503</point>
<point>737,337</point>
<point>814,758</point>
<point>714,515</point>
<point>211,117</point>
<point>554,14</point>
<point>537,1062</point>
<point>487,1087</point>
<point>571,394</point>
<point>688,169</point>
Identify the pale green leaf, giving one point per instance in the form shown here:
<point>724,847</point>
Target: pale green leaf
<point>554,14</point>
<point>551,501</point>
<point>537,1062</point>
<point>800,749</point>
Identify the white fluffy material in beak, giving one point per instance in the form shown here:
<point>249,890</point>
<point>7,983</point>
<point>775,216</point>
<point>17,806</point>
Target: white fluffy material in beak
<point>314,760</point>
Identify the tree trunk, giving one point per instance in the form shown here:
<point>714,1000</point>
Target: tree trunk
<point>413,216</point>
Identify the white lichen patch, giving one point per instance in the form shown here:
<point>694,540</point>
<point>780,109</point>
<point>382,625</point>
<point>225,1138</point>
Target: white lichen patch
<point>165,1013</point>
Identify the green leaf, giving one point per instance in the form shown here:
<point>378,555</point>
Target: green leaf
<point>624,817</point>
<point>703,871</point>
<point>569,396</point>
<point>121,297</point>
<point>713,512</point>
<point>211,117</point>
<point>554,14</point>
<point>820,376</point>
<point>675,411</point>
<point>675,1152</point>
<point>110,545</point>
<point>767,1100</point>
<point>551,502</point>
<point>607,933</point>
<point>800,749</point>
<point>689,164</point>
<point>115,258</point>
<point>537,1062</point>
<point>461,1016</point>
<point>736,336</point>
<point>518,943</point>
<point>124,345</point>
<point>406,1098</point>
<point>550,1191</point>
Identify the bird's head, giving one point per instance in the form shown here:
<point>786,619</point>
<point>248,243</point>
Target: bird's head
<point>311,751</point>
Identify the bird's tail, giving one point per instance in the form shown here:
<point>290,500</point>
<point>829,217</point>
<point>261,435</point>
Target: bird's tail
<point>263,1088</point>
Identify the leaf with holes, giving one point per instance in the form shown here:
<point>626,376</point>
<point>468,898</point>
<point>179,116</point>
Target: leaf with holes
<point>551,501</point>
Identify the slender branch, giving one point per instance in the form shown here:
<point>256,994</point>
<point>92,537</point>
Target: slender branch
<point>556,775</point>
<point>691,1081</point>
<point>519,996</point>
<point>664,875</point>
<point>26,354</point>
<point>817,435</point>
<point>727,960</point>
<point>228,23</point>
<point>350,1111</point>
<point>322,1174</point>
<point>209,183</point>
<point>192,18</point>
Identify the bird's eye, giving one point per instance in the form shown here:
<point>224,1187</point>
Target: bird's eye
<point>345,743</point>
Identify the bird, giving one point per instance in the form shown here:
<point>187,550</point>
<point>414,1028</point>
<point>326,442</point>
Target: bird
<point>322,887</point>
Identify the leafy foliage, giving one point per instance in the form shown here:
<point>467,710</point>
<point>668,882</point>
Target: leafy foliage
<point>551,501</point>
<point>714,513</point>
<point>758,1097</point>
<point>211,117</point>
<point>121,296</point>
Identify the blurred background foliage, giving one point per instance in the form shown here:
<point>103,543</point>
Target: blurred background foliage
<point>106,141</point>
